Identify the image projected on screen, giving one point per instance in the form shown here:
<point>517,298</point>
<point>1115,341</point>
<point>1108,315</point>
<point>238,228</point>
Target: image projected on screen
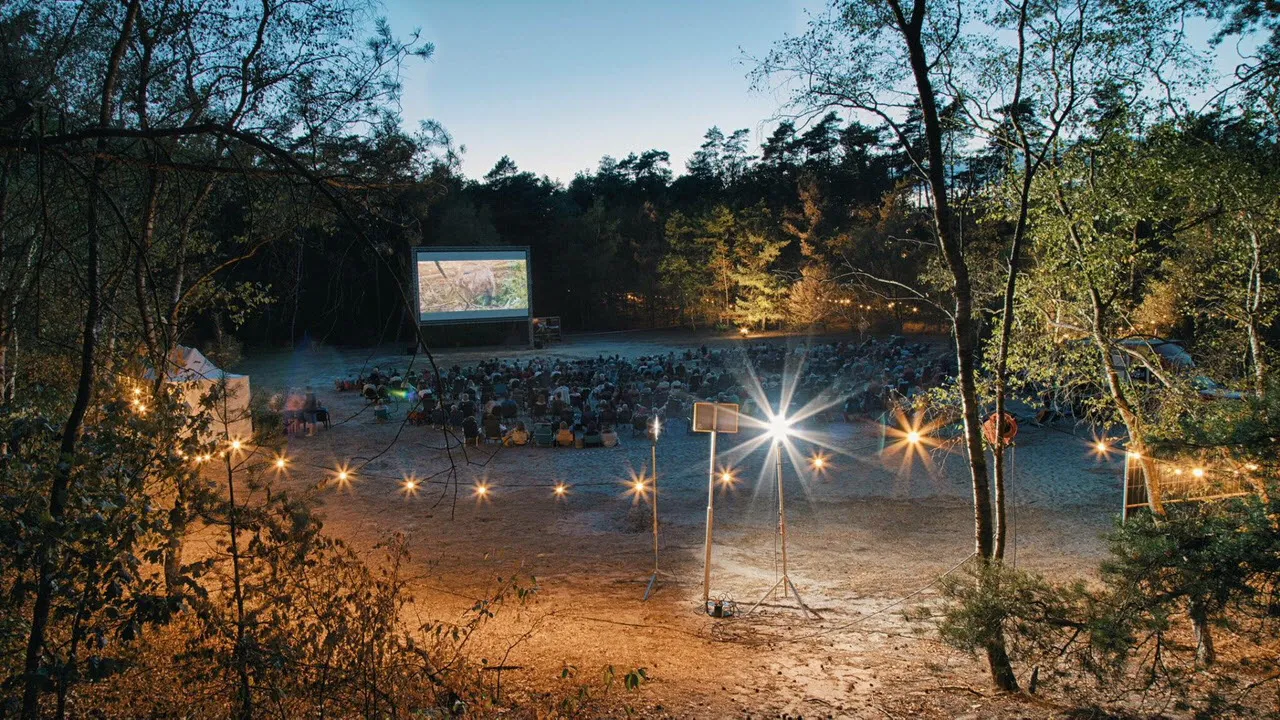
<point>472,285</point>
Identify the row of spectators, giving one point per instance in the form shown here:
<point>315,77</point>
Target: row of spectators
<point>605,392</point>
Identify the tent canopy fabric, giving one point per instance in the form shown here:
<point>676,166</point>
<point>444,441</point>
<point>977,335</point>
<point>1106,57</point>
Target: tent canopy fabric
<point>196,375</point>
<point>187,364</point>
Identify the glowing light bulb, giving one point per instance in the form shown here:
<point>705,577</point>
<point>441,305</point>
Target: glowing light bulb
<point>343,476</point>
<point>913,437</point>
<point>1198,472</point>
<point>1135,454</point>
<point>726,477</point>
<point>819,463</point>
<point>561,489</point>
<point>280,463</point>
<point>779,427</point>
<point>236,444</point>
<point>482,490</point>
<point>410,484</point>
<point>1101,447</point>
<point>638,485</point>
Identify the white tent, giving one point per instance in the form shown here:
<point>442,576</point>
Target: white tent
<point>196,375</point>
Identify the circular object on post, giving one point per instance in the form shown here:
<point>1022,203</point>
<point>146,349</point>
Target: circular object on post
<point>997,432</point>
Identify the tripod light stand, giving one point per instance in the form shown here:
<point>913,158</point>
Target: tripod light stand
<point>779,429</point>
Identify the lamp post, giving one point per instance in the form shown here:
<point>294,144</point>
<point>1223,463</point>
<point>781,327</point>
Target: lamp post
<point>655,429</point>
<point>712,418</point>
<point>780,430</point>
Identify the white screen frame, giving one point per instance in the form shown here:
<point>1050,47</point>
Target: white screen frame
<point>419,255</point>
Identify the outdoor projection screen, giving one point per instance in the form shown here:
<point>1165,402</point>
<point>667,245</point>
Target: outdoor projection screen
<point>471,284</point>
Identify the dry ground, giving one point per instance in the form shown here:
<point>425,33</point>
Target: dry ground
<point>869,531</point>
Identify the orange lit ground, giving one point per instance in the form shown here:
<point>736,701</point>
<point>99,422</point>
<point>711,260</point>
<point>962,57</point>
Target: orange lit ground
<point>868,531</point>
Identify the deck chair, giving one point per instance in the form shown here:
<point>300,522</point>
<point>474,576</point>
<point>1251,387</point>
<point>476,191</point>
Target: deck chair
<point>543,435</point>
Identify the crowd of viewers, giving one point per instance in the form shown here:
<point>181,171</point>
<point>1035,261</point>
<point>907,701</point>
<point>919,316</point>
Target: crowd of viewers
<point>584,402</point>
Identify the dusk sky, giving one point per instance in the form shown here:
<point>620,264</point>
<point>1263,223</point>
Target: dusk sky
<point>558,84</point>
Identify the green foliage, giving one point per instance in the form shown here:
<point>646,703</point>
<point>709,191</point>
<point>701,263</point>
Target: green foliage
<point>1147,625</point>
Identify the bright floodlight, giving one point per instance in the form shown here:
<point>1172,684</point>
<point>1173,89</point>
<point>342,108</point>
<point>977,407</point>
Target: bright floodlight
<point>819,462</point>
<point>913,437</point>
<point>779,427</point>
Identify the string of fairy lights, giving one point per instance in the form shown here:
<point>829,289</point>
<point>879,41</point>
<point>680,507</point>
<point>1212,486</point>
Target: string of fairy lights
<point>912,434</point>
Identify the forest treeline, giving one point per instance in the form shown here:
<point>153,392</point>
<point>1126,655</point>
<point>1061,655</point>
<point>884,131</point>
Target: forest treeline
<point>722,242</point>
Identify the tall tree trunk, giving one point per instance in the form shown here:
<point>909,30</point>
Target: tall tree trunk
<point>965,328</point>
<point>46,556</point>
<point>1200,628</point>
<point>1253,304</point>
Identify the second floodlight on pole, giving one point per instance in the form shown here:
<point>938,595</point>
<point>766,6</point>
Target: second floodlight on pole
<point>779,430</point>
<point>655,428</point>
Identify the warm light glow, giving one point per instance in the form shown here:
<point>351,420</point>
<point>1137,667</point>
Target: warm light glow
<point>744,332</point>
<point>638,486</point>
<point>410,485</point>
<point>561,489</point>
<point>726,478</point>
<point>281,462</point>
<point>481,490</point>
<point>1251,467</point>
<point>137,392</point>
<point>1198,472</point>
<point>1102,447</point>
<point>236,444</point>
<point>140,408</point>
<point>819,462</point>
<point>657,427</point>
<point>344,476</point>
<point>913,437</point>
<point>1135,454</point>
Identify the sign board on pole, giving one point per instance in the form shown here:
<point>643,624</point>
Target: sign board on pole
<point>715,417</point>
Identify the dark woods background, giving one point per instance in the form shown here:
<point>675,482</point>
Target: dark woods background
<point>812,196</point>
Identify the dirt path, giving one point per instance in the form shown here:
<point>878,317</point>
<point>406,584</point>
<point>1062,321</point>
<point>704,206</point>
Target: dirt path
<point>869,531</point>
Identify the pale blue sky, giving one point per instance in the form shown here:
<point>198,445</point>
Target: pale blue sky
<point>556,84</point>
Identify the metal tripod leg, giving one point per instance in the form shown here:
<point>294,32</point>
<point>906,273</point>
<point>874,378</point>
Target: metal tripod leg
<point>785,582</point>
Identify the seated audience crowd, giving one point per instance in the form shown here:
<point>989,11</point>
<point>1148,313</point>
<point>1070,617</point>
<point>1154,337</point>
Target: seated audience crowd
<point>583,402</point>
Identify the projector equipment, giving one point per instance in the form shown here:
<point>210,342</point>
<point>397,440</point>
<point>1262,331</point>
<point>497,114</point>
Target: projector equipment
<point>721,607</point>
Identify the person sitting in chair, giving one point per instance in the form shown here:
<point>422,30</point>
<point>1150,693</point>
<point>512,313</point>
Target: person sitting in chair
<point>564,437</point>
<point>609,437</point>
<point>470,430</point>
<point>492,426</point>
<point>518,436</point>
